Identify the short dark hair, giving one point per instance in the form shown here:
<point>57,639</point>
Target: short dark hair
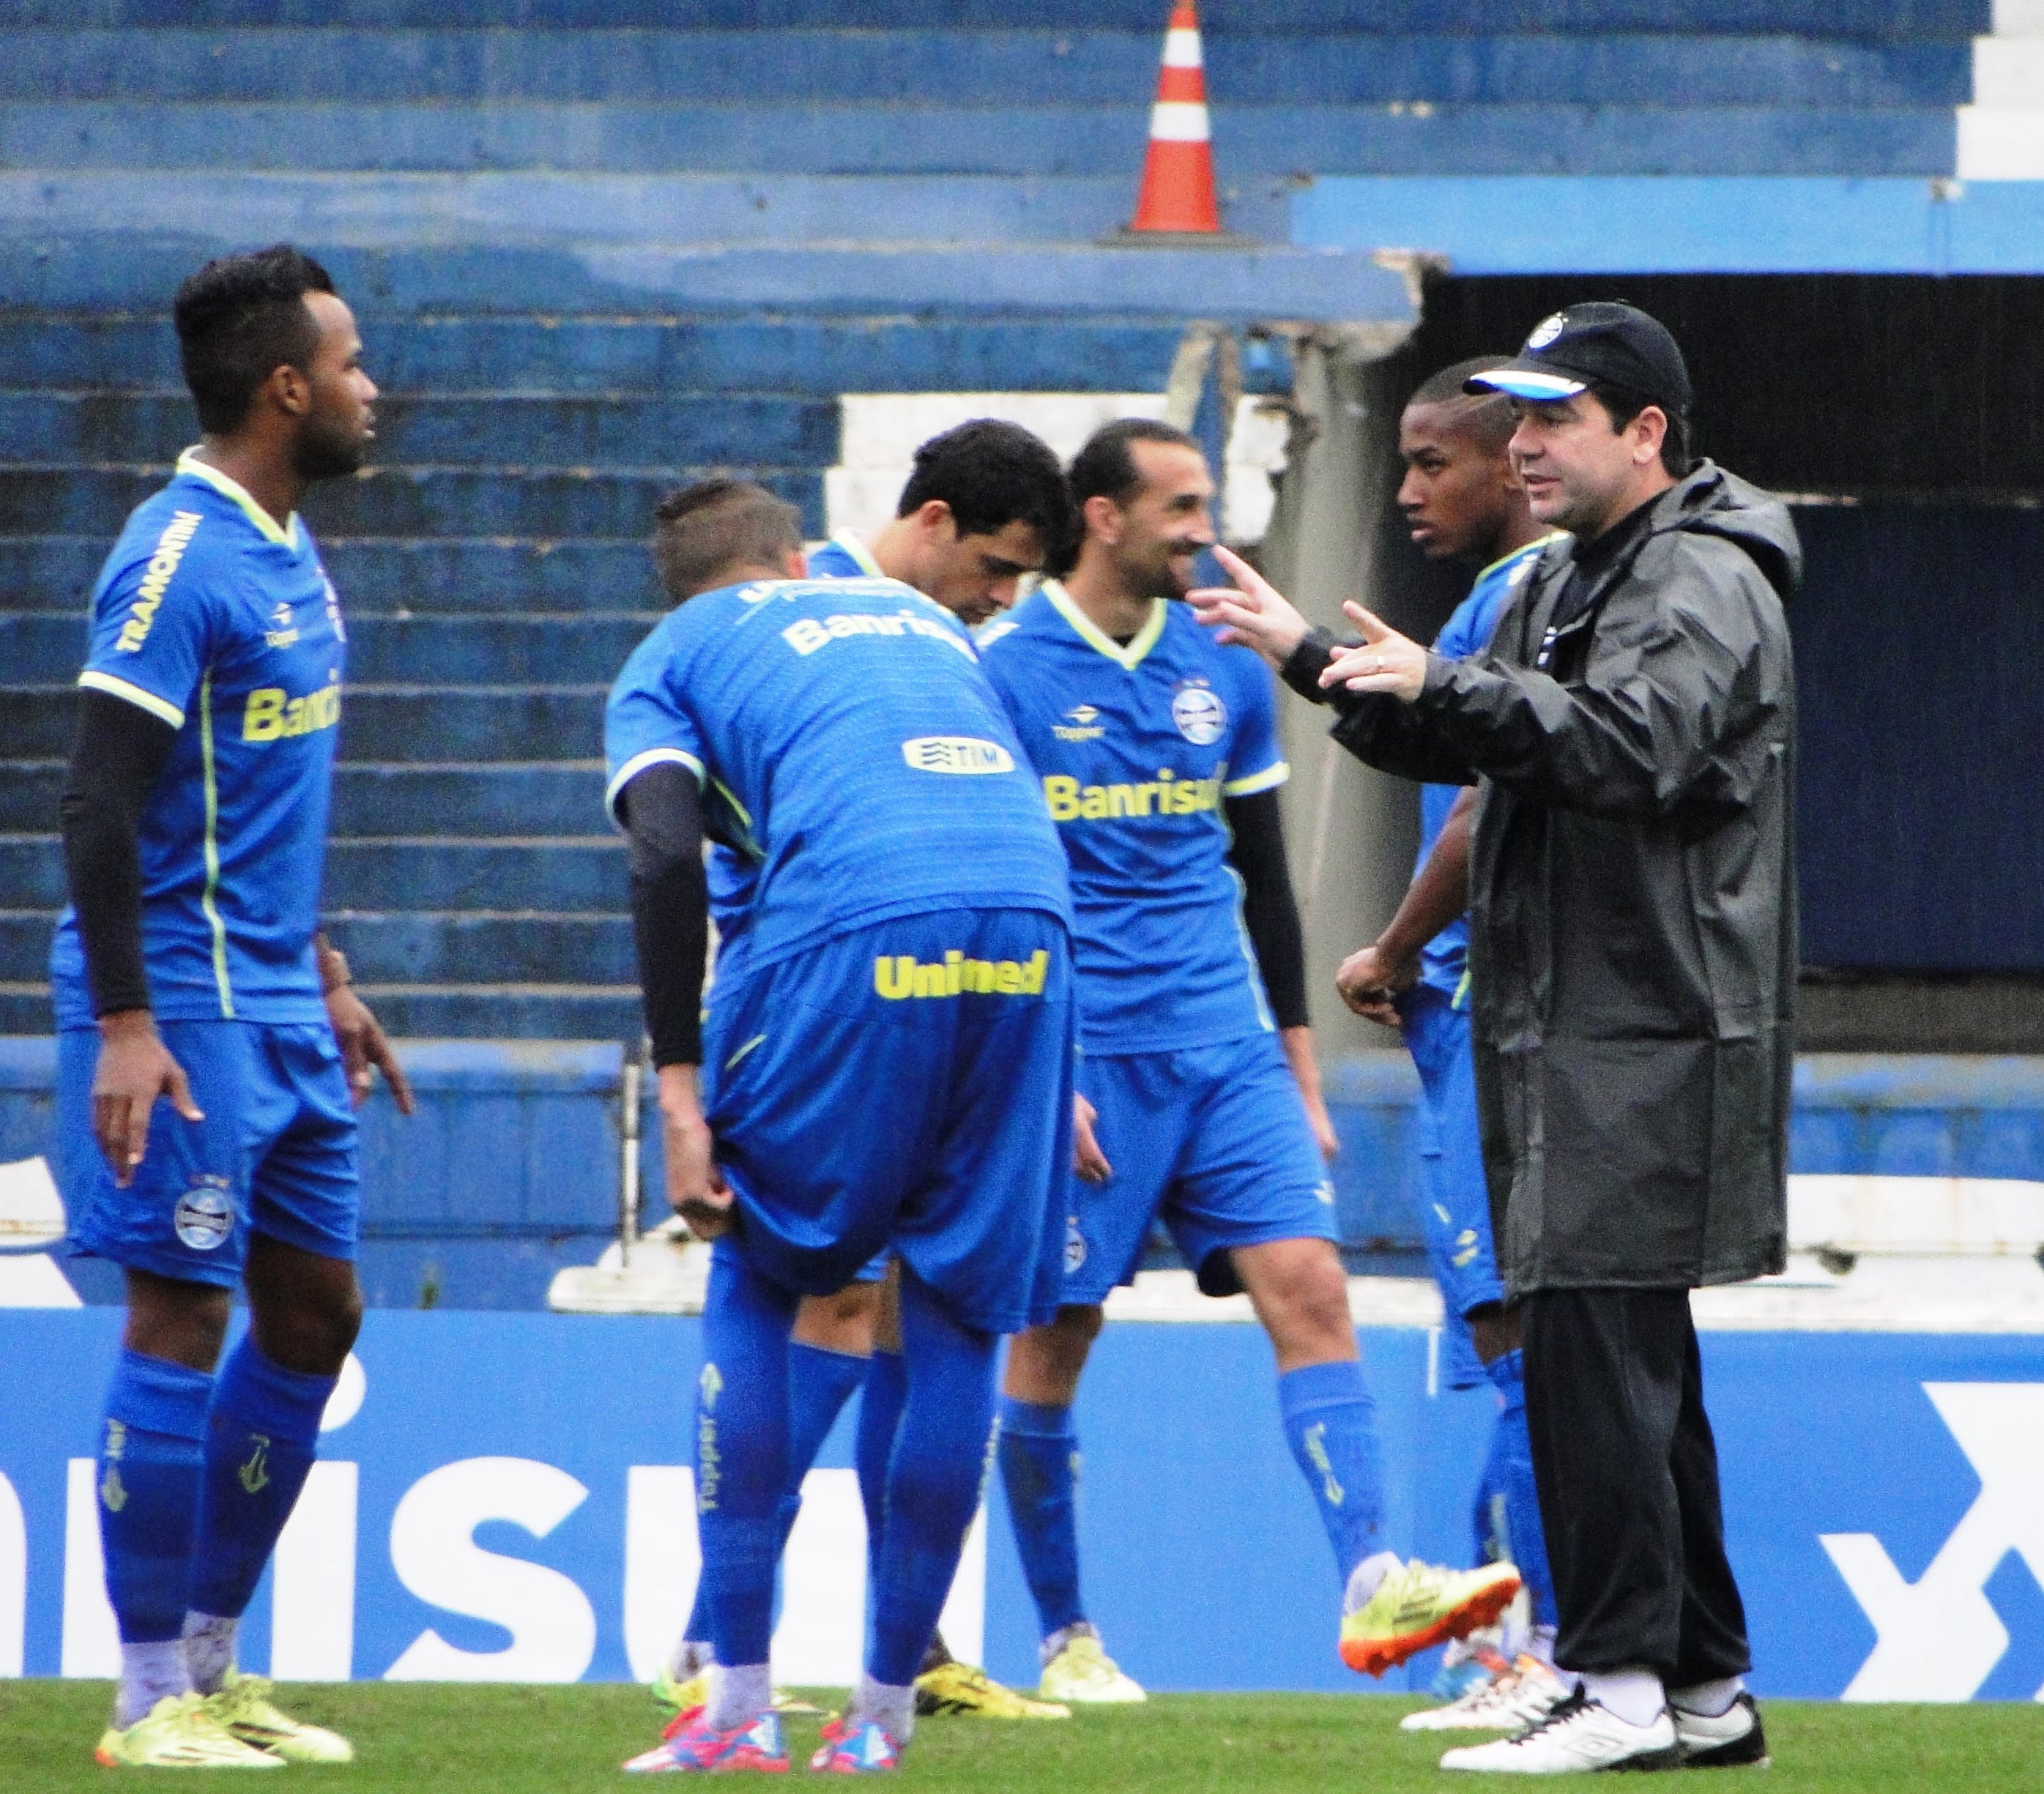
<point>1105,468</point>
<point>1488,415</point>
<point>239,320</point>
<point>716,525</point>
<point>991,473</point>
<point>1624,405</point>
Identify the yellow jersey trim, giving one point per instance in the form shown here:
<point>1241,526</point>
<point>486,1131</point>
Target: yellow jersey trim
<point>859,552</point>
<point>144,700</point>
<point>1272,776</point>
<point>189,462</point>
<point>207,897</point>
<point>1525,548</point>
<point>1091,633</point>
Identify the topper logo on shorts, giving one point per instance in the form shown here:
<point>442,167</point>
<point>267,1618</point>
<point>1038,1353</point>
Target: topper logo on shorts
<point>204,1217</point>
<point>1170,795</point>
<point>899,976</point>
<point>170,547</point>
<point>963,753</point>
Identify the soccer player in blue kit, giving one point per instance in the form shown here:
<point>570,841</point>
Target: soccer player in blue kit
<point>891,1066</point>
<point>209,1046</point>
<point>984,504</point>
<point>1461,500</point>
<point>1159,758</point>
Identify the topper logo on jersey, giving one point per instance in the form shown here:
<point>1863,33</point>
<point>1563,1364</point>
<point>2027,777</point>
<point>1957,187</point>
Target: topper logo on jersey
<point>963,753</point>
<point>1170,795</point>
<point>1201,717</point>
<point>1084,726</point>
<point>273,714</point>
<point>897,976</point>
<point>806,636</point>
<point>283,633</point>
<point>170,547</point>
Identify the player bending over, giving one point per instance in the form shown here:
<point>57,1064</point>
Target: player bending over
<point>984,505</point>
<point>1461,500</point>
<point>1158,754</point>
<point>891,1067</point>
<point>209,1050</point>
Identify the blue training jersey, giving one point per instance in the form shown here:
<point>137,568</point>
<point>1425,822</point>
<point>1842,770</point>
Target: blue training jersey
<point>208,616</point>
<point>732,877</point>
<point>848,747</point>
<point>1445,959</point>
<point>1137,746</point>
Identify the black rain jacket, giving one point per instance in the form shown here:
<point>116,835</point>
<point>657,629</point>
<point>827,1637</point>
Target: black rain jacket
<point>1632,917</point>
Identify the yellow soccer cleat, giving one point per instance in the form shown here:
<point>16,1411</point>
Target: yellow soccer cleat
<point>180,1732</point>
<point>1086,1676</point>
<point>243,1706</point>
<point>959,1688</point>
<point>1419,1604</point>
<point>683,1696</point>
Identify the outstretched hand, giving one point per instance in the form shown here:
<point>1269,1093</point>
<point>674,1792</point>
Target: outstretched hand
<point>1384,662</point>
<point>135,1068</point>
<point>1252,612</point>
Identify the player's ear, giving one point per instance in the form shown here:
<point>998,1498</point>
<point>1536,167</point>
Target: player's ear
<point>1103,517</point>
<point>288,389</point>
<point>793,564</point>
<point>933,517</point>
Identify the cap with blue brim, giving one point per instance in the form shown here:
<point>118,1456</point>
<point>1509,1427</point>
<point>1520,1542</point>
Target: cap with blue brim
<point>1602,343</point>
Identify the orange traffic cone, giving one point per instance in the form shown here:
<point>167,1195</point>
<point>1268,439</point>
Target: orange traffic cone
<point>1178,198</point>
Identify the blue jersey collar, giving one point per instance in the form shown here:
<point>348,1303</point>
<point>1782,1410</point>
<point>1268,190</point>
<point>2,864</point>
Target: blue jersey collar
<point>189,463</point>
<point>1091,633</point>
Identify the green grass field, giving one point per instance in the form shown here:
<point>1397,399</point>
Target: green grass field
<point>558,1740</point>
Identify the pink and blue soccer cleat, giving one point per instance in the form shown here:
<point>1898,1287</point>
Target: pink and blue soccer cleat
<point>856,1747</point>
<point>698,1747</point>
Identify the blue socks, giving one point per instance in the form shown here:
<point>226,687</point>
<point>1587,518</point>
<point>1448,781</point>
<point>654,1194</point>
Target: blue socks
<point>935,1475</point>
<point>879,1420</point>
<point>1039,1455</point>
<point>151,1462</point>
<point>820,1383</point>
<point>742,1422</point>
<point>1330,1424</point>
<point>1512,1454</point>
<point>261,1438</point>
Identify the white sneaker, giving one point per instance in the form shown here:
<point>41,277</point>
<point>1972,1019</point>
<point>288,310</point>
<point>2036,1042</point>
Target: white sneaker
<point>1733,1739</point>
<point>1083,1675</point>
<point>1523,1696</point>
<point>1576,1735</point>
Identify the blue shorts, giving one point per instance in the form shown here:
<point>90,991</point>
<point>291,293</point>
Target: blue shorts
<point>906,1086</point>
<point>1214,1142</point>
<point>275,1155</point>
<point>1454,1192</point>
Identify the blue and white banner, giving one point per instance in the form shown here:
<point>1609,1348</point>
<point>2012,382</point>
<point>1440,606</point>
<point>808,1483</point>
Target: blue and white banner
<point>506,1496</point>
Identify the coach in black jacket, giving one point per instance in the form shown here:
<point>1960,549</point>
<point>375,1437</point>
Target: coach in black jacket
<point>1633,968</point>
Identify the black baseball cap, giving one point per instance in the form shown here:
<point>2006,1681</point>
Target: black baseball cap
<point>1604,342</point>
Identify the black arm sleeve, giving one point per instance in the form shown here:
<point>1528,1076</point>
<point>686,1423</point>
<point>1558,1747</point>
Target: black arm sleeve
<point>1268,910</point>
<point>120,752</point>
<point>661,809</point>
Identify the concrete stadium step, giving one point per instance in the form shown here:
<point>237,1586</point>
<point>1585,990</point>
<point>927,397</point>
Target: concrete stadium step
<point>1817,18</point>
<point>54,77</point>
<point>557,797</point>
<point>672,354</point>
<point>45,648</point>
<point>526,429</point>
<point>580,873</point>
<point>483,1012</point>
<point>396,725</point>
<point>32,870</point>
<point>391,575</point>
<point>445,872</point>
<point>1020,173</point>
<point>404,501</point>
<point>471,948</point>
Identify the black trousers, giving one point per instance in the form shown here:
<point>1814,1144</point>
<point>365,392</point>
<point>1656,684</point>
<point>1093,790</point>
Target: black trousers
<point>1627,1472</point>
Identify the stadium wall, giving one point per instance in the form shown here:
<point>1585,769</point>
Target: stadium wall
<point>505,1498</point>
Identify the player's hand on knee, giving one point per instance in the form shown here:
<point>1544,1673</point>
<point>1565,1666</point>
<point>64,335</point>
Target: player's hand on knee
<point>1252,612</point>
<point>1367,983</point>
<point>135,1068</point>
<point>365,1050</point>
<point>696,1188</point>
<point>1088,1160</point>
